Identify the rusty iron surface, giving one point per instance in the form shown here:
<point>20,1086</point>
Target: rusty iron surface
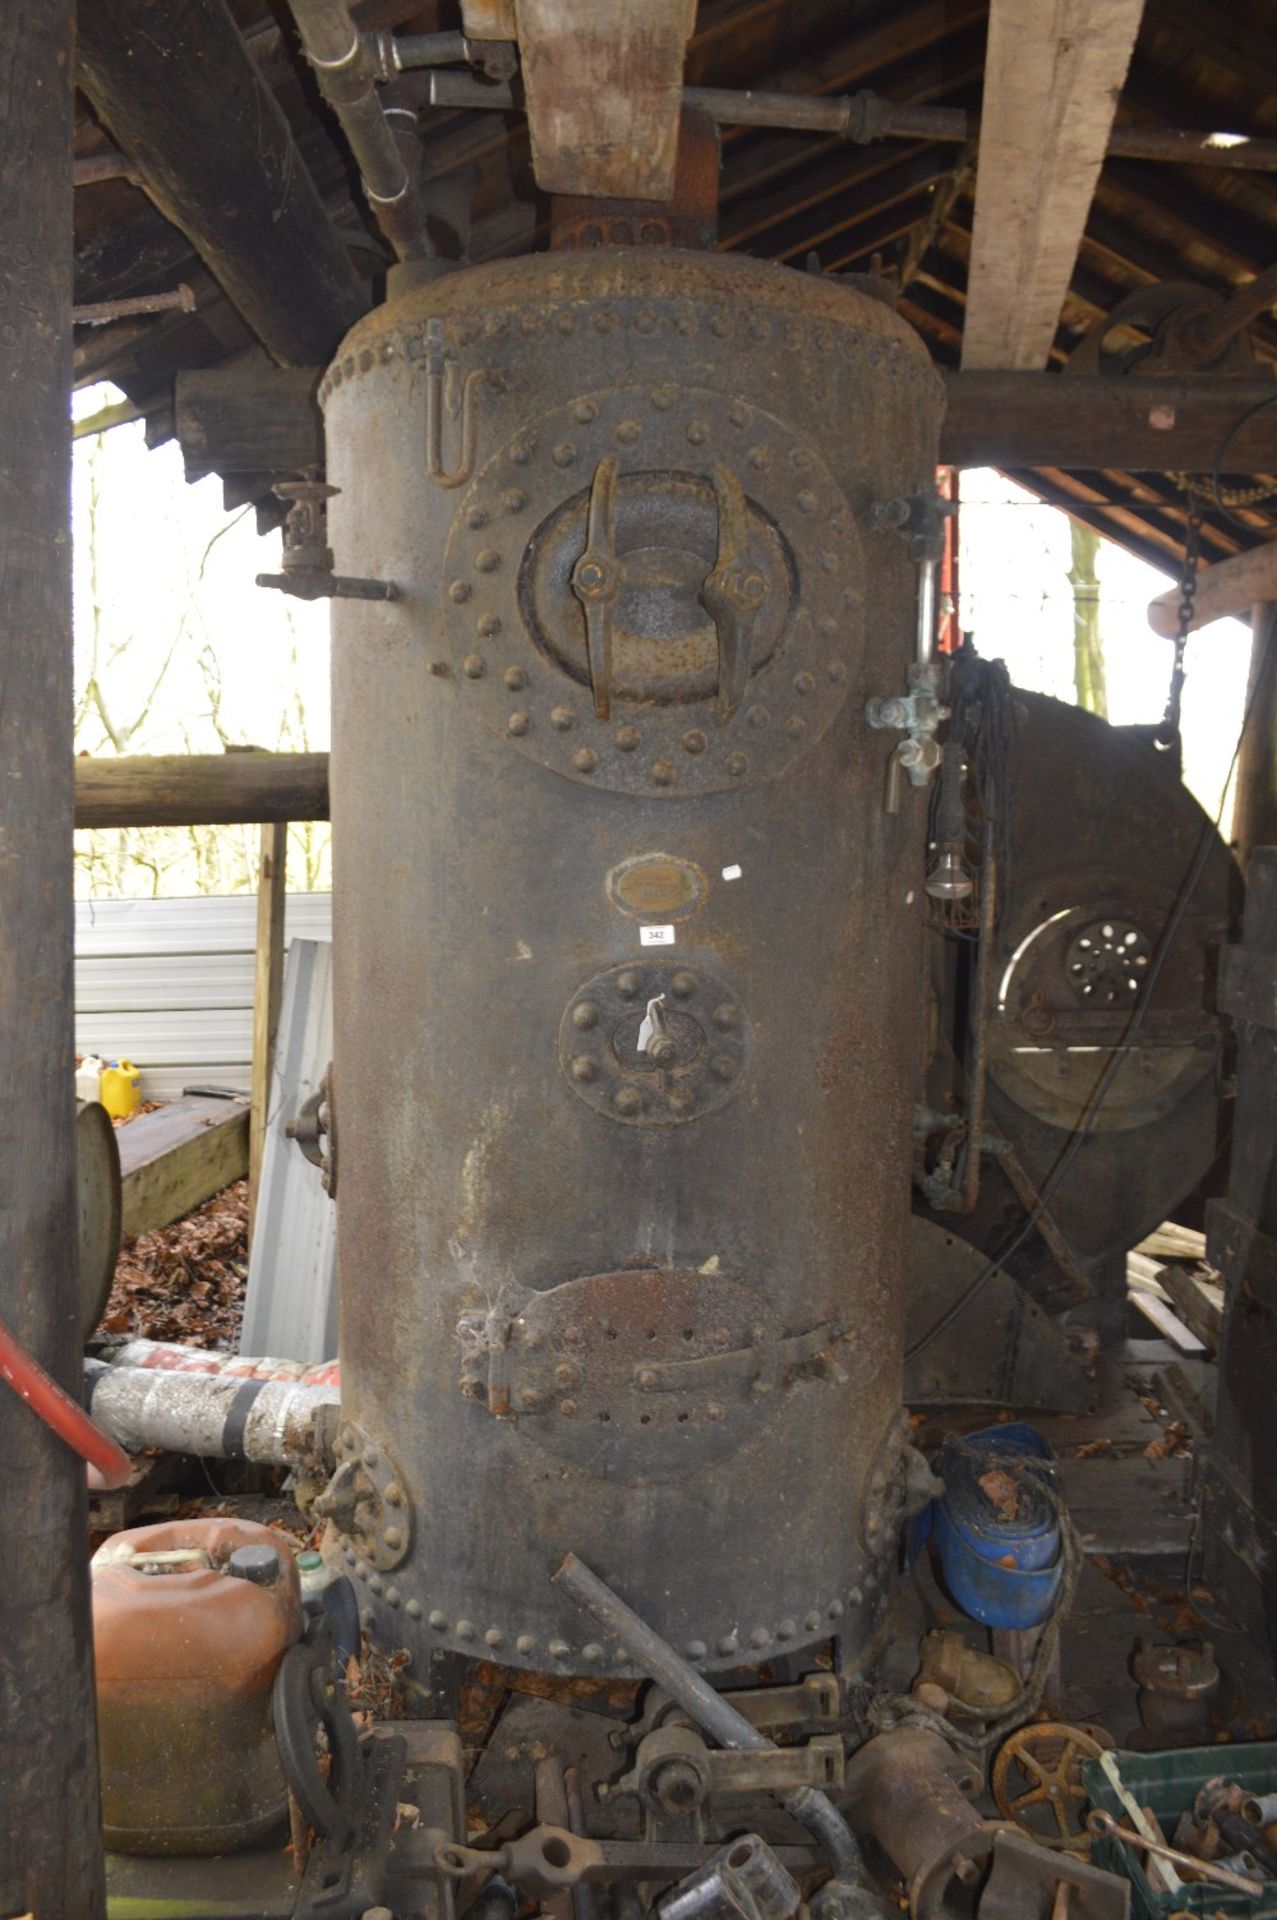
<point>687,1304</point>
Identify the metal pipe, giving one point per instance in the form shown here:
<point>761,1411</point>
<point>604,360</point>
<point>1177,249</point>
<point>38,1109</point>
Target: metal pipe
<point>977,1072</point>
<point>215,1416</point>
<point>647,1650</point>
<point>926,611</point>
<point>347,74</point>
<point>865,117</point>
<point>425,50</point>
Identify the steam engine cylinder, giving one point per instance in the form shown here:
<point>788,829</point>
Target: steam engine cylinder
<point>628,953</point>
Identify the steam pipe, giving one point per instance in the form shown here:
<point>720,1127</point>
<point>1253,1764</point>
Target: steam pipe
<point>646,1649</point>
<point>216,1416</point>
<point>865,117</point>
<point>347,71</point>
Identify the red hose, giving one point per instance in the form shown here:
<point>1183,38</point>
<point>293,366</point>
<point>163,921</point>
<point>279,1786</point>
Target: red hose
<point>58,1410</point>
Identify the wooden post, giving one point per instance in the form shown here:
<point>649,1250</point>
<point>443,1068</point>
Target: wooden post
<point>1255,802</point>
<point>200,789</point>
<point>268,984</point>
<point>50,1832</point>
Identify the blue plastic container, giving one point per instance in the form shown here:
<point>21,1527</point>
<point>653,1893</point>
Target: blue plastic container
<point>1003,1572</point>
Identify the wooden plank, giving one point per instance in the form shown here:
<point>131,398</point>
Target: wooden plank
<point>603,80</point>
<point>1255,794</point>
<point>1167,1322</point>
<point>175,85</point>
<point>1228,589</point>
<point>268,986</point>
<point>1053,73</point>
<point>50,1833</point>
<point>200,789</point>
<point>178,1156</point>
<point>260,419</point>
<point>251,418</point>
<point>1199,1305</point>
<point>1138,425</point>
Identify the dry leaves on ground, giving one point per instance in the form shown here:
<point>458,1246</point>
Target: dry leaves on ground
<point>186,1282</point>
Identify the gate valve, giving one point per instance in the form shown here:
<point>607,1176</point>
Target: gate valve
<point>307,558</point>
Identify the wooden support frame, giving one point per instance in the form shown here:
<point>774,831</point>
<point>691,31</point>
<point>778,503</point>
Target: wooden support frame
<point>268,987</point>
<point>253,419</point>
<point>1053,73</point>
<point>200,789</point>
<point>50,1828</point>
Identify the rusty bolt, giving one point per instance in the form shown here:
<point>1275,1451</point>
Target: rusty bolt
<point>646,1379</point>
<point>723,1067</point>
<point>567,1408</point>
<point>494,1637</point>
<point>627,1100</point>
<point>566,1373</point>
<point>787,1629</point>
<point>374,1581</point>
<point>684,985</point>
<point>585,1016</point>
<point>517,724</point>
<point>591,1651</point>
<point>737,764</point>
<point>696,1650</point>
<point>714,1410</point>
<point>804,682</point>
<point>677,1786</point>
<point>459,592</point>
<point>528,1397</point>
<point>628,984</point>
<point>760,1637</point>
<point>584,1068</point>
<point>512,1756</point>
<point>413,1609</point>
<point>562,718</point>
<point>513,679</point>
<point>465,1630</point>
<point>488,561</point>
<point>966,1869</point>
<point>437,1620</point>
<point>393,1538</point>
<point>663,773</point>
<point>392,1596</point>
<point>726,1018</point>
<point>473,666</point>
<point>393,1493</point>
<point>694,741</point>
<point>525,1644</point>
<point>559,1649</point>
<point>585,760</point>
<point>626,739</point>
<point>371,1456</point>
<point>729,1643</point>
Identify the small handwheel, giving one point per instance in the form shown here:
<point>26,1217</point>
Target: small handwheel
<point>306,1698</point>
<point>1037,1781</point>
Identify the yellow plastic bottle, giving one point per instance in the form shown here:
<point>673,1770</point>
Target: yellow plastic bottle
<point>121,1087</point>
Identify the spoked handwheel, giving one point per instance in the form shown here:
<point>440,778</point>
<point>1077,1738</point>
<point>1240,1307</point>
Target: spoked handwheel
<point>1037,1781</point>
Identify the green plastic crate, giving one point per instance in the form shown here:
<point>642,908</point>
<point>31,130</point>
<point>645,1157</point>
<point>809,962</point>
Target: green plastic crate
<point>1168,1784</point>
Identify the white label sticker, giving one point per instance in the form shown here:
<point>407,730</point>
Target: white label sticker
<point>731,873</point>
<point>656,936</point>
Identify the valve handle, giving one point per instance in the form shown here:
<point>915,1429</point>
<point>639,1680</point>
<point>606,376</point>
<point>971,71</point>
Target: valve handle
<point>597,579</point>
<point>732,594</point>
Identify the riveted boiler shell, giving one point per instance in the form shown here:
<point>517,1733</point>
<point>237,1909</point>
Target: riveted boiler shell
<point>608,747</point>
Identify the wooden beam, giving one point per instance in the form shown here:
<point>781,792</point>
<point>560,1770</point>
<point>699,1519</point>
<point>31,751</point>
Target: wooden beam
<point>179,1155</point>
<point>1053,74</point>
<point>268,986</point>
<point>1255,796</point>
<point>200,789</point>
<point>250,418</point>
<point>603,81</point>
<point>1084,424</point>
<point>50,1831</point>
<point>174,84</point>
<point>1229,588</point>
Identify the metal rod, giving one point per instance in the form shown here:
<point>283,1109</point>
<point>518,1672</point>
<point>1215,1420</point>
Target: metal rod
<point>1105,1827</point>
<point>98,313</point>
<point>347,73</point>
<point>426,49</point>
<point>88,169</point>
<point>645,1647</point>
<point>926,611</point>
<point>977,1072</point>
<point>865,117</point>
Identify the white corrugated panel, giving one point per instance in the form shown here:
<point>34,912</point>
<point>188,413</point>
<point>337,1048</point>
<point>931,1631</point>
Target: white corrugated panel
<point>290,1305</point>
<point>169,983</point>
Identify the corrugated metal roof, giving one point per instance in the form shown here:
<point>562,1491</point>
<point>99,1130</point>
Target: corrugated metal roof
<point>169,983</point>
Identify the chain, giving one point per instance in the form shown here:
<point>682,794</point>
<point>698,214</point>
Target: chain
<point>1198,487</point>
<point>1168,731</point>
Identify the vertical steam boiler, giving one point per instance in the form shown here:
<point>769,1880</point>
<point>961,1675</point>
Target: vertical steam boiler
<point>628,944</point>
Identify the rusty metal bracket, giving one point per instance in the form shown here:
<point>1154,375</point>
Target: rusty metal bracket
<point>367,1504</point>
